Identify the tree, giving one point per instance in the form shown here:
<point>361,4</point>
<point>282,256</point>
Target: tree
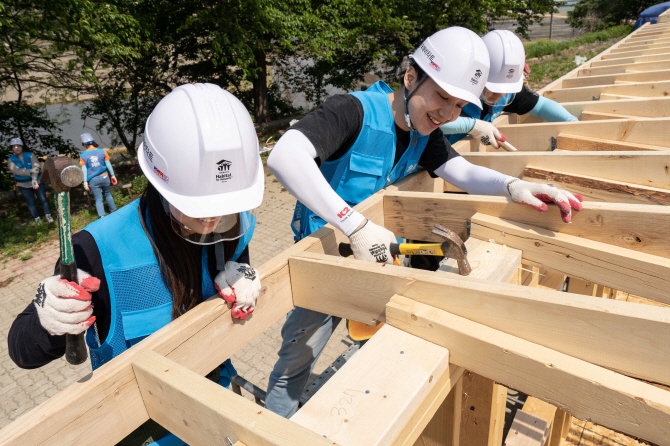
<point>594,15</point>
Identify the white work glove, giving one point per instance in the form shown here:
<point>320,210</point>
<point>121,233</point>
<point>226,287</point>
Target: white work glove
<point>85,183</point>
<point>36,185</point>
<point>372,243</point>
<point>487,133</point>
<point>239,284</point>
<point>536,194</point>
<point>65,307</point>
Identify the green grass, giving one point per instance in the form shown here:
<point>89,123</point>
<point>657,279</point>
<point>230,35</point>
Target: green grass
<point>555,67</point>
<point>545,47</point>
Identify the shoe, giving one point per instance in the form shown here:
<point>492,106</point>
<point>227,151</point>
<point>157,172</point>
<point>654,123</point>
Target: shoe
<point>38,221</point>
<point>49,218</point>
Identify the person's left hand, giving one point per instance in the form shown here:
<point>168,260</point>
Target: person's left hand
<point>113,181</point>
<point>526,70</point>
<point>239,284</point>
<point>36,185</point>
<point>537,195</point>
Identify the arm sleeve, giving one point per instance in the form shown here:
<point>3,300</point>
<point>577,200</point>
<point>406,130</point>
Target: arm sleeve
<point>30,345</point>
<point>551,111</point>
<point>36,163</point>
<point>474,179</point>
<point>83,168</point>
<point>292,162</point>
<point>13,168</point>
<point>462,124</point>
<point>109,167</point>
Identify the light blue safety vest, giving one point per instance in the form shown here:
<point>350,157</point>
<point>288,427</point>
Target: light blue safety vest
<point>140,302</point>
<point>23,163</point>
<point>472,111</point>
<point>367,167</point>
<point>95,162</point>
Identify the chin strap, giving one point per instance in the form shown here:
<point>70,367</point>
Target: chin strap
<point>406,97</point>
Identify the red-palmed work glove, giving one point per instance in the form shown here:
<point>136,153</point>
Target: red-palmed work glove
<point>65,307</point>
<point>537,195</point>
<point>113,181</point>
<point>239,284</point>
<point>487,133</point>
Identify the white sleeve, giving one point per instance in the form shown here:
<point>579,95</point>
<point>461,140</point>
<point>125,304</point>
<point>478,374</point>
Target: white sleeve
<point>474,179</point>
<point>292,162</point>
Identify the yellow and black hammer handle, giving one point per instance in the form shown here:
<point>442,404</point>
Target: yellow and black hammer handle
<point>408,249</point>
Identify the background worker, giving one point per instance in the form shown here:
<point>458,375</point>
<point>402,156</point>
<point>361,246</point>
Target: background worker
<point>504,92</point>
<point>356,144</point>
<point>97,172</point>
<point>26,169</point>
<point>181,242</point>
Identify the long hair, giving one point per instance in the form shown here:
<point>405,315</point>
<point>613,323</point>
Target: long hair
<point>179,261</point>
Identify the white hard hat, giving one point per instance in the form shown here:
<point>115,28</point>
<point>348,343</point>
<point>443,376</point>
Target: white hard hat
<point>16,142</point>
<point>457,60</point>
<point>86,138</point>
<point>508,57</point>
<point>201,152</point>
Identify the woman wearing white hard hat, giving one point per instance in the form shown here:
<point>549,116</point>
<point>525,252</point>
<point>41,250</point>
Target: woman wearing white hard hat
<point>504,92</point>
<point>98,173</point>
<point>159,256</point>
<point>356,144</point>
<point>26,169</point>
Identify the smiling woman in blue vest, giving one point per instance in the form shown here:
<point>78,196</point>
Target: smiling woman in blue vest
<point>504,92</point>
<point>98,173</point>
<point>159,256</point>
<point>26,169</point>
<point>356,144</point>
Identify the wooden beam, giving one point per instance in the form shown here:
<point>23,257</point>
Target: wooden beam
<point>639,89</point>
<point>619,268</point>
<point>201,412</point>
<point>599,189</point>
<point>636,46</point>
<point>628,60</point>
<point>625,68</point>
<point>532,424</point>
<point>572,324</point>
<point>643,228</point>
<point>581,388</point>
<point>643,41</point>
<point>590,144</point>
<point>611,79</point>
<point>596,116</point>
<point>393,379</point>
<point>537,137</point>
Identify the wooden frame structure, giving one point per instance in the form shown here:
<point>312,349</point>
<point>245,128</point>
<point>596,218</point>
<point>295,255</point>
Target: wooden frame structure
<point>437,373</point>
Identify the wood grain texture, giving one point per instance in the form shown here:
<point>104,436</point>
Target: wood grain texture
<point>591,144</point>
<point>611,79</point>
<point>639,89</point>
<point>579,387</point>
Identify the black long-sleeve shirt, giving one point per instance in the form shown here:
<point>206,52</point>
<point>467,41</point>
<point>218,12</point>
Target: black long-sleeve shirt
<point>31,346</point>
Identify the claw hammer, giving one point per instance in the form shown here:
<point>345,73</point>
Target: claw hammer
<point>64,175</point>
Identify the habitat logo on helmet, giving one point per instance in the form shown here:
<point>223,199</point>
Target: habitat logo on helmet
<point>467,57</point>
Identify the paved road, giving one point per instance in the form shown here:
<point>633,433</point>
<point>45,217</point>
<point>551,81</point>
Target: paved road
<point>21,390</point>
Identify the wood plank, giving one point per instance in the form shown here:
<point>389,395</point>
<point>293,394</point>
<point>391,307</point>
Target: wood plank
<point>643,228</point>
<point>372,396</point>
<point>629,60</point>
<point>638,89</point>
<point>201,412</point>
<point>616,190</point>
<point>583,389</point>
<point>645,168</point>
<point>590,144</point>
<point>444,428</point>
<point>596,116</point>
<point>570,323</point>
<point>650,107</point>
<point>618,97</point>
<point>625,68</point>
<point>561,427</point>
<point>636,46</point>
<point>610,79</point>
<point>489,261</point>
<point>619,268</point>
<point>532,424</point>
<point>644,41</point>
<point>537,137</point>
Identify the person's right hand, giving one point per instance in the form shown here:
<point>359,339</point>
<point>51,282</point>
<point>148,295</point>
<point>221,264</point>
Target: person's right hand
<point>36,185</point>
<point>85,183</point>
<point>372,243</point>
<point>65,307</point>
<point>487,133</point>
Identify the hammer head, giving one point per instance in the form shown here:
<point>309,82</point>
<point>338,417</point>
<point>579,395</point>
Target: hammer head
<point>62,173</point>
<point>454,248</point>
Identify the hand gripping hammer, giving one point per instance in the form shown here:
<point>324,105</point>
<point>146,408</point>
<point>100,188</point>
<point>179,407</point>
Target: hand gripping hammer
<point>64,175</point>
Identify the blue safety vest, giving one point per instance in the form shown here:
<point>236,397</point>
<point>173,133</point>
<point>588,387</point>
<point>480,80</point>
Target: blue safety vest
<point>95,162</point>
<point>472,111</point>
<point>23,163</point>
<point>367,167</point>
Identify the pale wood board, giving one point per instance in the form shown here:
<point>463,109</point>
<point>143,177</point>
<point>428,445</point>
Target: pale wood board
<point>580,388</point>
<point>370,398</point>
<point>644,228</point>
<point>201,412</point>
<point>624,68</point>
<point>590,144</point>
<point>638,89</point>
<point>610,79</point>
<point>570,323</point>
<point>629,60</point>
<point>595,116</point>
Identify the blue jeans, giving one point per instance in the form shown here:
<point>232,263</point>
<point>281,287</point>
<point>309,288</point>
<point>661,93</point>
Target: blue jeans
<point>29,194</point>
<point>100,185</point>
<point>304,335</point>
